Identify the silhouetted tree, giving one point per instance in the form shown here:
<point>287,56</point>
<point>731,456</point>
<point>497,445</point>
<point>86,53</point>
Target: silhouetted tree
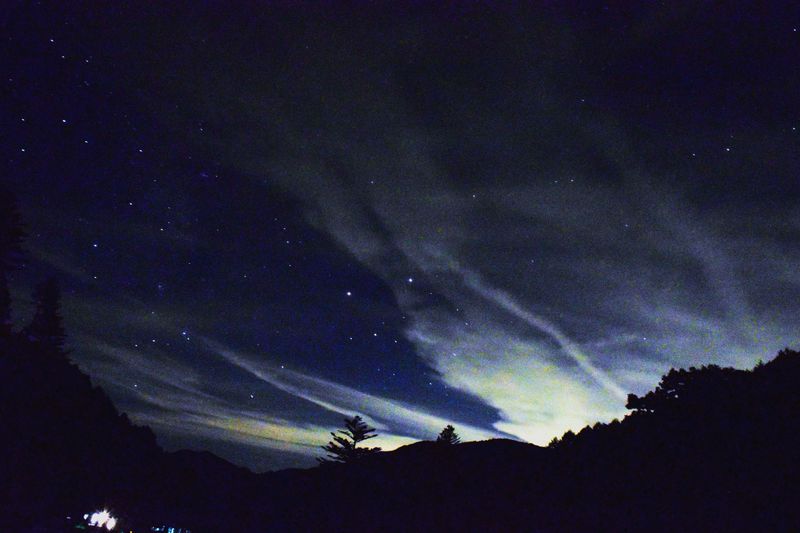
<point>448,436</point>
<point>5,306</point>
<point>47,326</point>
<point>11,236</point>
<point>685,391</point>
<point>344,448</point>
<point>567,438</point>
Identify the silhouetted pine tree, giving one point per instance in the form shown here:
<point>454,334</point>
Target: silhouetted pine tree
<point>5,307</point>
<point>344,448</point>
<point>448,436</point>
<point>11,236</point>
<point>47,326</point>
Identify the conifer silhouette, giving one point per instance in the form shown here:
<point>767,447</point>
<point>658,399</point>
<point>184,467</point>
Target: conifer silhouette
<point>5,306</point>
<point>12,234</point>
<point>47,326</point>
<point>344,448</point>
<point>448,436</point>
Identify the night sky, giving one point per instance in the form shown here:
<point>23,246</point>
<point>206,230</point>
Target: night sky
<point>266,218</point>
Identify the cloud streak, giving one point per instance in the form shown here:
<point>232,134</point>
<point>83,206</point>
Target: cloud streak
<point>384,413</point>
<point>171,398</point>
<point>569,347</point>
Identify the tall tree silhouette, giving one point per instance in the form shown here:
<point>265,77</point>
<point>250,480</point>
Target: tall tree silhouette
<point>448,436</point>
<point>5,306</point>
<point>47,326</point>
<point>11,235</point>
<point>344,448</point>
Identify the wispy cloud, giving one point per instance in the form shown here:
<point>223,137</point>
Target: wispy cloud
<point>536,396</point>
<point>171,398</point>
<point>570,347</point>
<point>387,415</point>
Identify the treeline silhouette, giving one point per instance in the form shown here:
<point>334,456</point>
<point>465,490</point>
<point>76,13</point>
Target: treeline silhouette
<point>710,449</point>
<point>65,450</point>
<point>64,443</point>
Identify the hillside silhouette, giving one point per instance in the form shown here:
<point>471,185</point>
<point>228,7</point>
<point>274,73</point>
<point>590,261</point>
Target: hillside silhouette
<point>709,449</point>
<point>66,450</point>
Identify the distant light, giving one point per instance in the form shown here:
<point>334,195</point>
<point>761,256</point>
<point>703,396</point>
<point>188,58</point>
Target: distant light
<point>349,293</point>
<point>411,280</point>
<point>102,519</point>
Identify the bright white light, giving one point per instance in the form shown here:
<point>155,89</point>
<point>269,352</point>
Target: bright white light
<point>98,518</point>
<point>103,518</point>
